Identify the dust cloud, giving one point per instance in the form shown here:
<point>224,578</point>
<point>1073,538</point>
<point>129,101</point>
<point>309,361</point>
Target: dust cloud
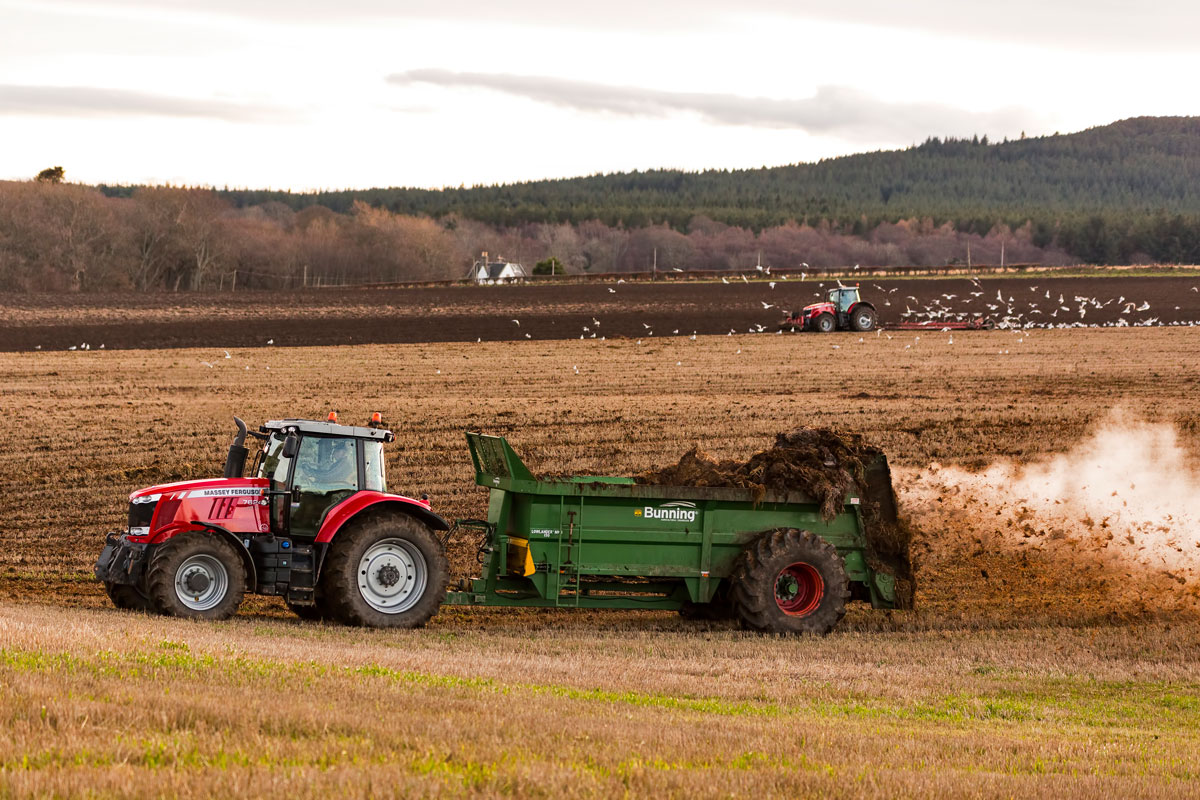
<point>1110,527</point>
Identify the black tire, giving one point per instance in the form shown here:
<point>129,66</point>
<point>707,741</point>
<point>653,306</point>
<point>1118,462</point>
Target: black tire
<point>377,563</point>
<point>198,560</point>
<point>863,319</point>
<point>790,581</point>
<point>825,323</point>
<point>127,597</point>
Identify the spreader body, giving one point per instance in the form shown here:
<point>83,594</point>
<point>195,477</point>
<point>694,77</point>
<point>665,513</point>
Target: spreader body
<point>610,542</point>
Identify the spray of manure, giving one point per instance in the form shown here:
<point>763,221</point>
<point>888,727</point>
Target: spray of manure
<point>1110,528</point>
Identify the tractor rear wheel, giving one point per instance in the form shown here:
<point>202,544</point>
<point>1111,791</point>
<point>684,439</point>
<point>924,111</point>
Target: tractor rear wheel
<point>825,323</point>
<point>863,319</point>
<point>790,581</point>
<point>385,572</point>
<point>127,597</point>
<point>197,575</point>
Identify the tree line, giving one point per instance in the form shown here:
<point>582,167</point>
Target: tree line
<point>65,237</point>
<point>1125,193</point>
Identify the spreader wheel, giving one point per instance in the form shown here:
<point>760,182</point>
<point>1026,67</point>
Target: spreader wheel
<point>385,572</point>
<point>825,323</point>
<point>127,597</point>
<point>196,575</point>
<point>863,318</point>
<point>790,581</point>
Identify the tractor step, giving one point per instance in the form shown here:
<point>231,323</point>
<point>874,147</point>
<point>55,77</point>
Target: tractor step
<point>284,567</point>
<point>300,592</point>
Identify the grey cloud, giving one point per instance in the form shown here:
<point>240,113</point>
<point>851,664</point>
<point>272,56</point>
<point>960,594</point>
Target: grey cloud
<point>90,101</point>
<point>833,110</point>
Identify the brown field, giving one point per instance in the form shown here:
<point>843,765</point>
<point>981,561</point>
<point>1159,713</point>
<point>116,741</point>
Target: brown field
<point>560,311</point>
<point>1053,649</point>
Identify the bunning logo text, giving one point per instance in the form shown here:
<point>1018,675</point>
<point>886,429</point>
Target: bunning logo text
<point>677,511</point>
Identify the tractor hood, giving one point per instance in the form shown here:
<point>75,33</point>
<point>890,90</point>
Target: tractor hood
<point>815,306</point>
<point>233,503</point>
<point>210,486</point>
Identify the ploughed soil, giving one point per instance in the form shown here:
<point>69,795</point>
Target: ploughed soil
<point>561,311</point>
<point>823,464</point>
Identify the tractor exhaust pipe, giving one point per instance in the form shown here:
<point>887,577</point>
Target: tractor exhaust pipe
<point>235,462</point>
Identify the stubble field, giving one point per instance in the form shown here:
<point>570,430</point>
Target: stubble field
<point>1052,650</point>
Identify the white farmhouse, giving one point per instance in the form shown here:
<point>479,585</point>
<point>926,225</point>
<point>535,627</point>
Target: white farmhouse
<point>498,271</point>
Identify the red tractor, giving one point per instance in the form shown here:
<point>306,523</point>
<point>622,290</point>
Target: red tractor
<point>844,310</point>
<point>313,524</point>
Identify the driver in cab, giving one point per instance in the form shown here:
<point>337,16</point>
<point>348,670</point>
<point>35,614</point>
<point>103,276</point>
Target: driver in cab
<point>326,473</point>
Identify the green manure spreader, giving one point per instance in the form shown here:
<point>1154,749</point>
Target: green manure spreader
<point>771,560</point>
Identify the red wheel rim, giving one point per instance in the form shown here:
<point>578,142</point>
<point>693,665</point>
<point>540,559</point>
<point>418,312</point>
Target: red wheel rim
<point>798,589</point>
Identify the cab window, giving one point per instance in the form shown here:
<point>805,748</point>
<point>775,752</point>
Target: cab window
<point>273,465</point>
<point>324,466</point>
<point>374,478</point>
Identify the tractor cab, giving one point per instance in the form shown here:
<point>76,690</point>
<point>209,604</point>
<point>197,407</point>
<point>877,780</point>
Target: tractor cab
<point>313,466</point>
<point>844,298</point>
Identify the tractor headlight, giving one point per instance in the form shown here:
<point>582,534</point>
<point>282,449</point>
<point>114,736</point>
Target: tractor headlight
<point>141,511</point>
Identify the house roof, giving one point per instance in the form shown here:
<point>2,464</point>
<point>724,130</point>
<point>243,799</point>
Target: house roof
<point>495,269</point>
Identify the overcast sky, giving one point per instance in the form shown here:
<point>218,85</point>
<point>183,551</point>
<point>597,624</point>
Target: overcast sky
<point>307,94</point>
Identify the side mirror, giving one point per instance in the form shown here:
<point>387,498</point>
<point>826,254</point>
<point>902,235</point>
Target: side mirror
<point>291,446</point>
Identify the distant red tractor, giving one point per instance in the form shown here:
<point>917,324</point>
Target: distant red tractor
<point>844,310</point>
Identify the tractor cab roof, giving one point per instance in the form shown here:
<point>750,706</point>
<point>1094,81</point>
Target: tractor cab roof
<point>327,429</point>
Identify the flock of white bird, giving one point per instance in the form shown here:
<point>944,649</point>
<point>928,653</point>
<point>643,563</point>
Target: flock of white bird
<point>1041,310</point>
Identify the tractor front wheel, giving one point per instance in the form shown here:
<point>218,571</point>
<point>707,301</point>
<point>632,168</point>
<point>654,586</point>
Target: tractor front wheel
<point>863,318</point>
<point>197,575</point>
<point>825,323</point>
<point>385,572</point>
<point>790,581</point>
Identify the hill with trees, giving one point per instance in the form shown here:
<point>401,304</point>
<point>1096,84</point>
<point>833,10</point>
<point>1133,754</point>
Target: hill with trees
<point>1120,194</point>
<point>1106,194</point>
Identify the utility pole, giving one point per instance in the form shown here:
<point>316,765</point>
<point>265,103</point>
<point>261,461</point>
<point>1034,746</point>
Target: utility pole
<point>1001,253</point>
<point>305,284</point>
<point>654,266</point>
<point>968,253</point>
